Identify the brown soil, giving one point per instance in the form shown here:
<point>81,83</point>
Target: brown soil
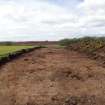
<point>52,76</point>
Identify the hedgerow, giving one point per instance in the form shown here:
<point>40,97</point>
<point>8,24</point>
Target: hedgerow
<point>88,44</point>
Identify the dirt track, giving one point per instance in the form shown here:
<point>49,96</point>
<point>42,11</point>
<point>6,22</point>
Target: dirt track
<point>52,76</point>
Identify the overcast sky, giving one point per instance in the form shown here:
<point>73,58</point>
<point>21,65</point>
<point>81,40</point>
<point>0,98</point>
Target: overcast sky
<point>22,20</point>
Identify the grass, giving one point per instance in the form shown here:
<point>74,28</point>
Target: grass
<point>5,50</point>
<point>85,44</point>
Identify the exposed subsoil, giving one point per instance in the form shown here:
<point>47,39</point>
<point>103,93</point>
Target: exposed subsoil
<point>52,76</point>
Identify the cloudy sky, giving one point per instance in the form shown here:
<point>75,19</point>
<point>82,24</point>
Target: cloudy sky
<point>22,20</point>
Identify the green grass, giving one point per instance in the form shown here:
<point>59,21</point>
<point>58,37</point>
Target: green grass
<point>5,50</point>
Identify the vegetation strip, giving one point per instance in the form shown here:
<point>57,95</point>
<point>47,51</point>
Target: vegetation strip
<point>10,56</point>
<point>94,47</point>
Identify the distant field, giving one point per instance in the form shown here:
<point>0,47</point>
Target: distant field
<point>4,50</point>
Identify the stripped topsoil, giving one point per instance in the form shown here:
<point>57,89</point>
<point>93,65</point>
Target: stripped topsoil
<point>52,76</point>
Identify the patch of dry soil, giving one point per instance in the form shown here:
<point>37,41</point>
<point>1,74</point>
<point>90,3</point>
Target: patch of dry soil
<point>52,76</point>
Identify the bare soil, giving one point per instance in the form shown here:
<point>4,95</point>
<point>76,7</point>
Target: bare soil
<point>52,76</point>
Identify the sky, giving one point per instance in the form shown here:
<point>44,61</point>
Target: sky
<point>30,20</point>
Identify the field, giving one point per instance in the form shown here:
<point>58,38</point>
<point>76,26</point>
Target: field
<point>64,74</point>
<point>5,50</point>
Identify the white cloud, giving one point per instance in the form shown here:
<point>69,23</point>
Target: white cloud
<point>44,20</point>
<point>93,16</point>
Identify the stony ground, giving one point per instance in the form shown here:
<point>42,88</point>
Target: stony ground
<point>52,76</point>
